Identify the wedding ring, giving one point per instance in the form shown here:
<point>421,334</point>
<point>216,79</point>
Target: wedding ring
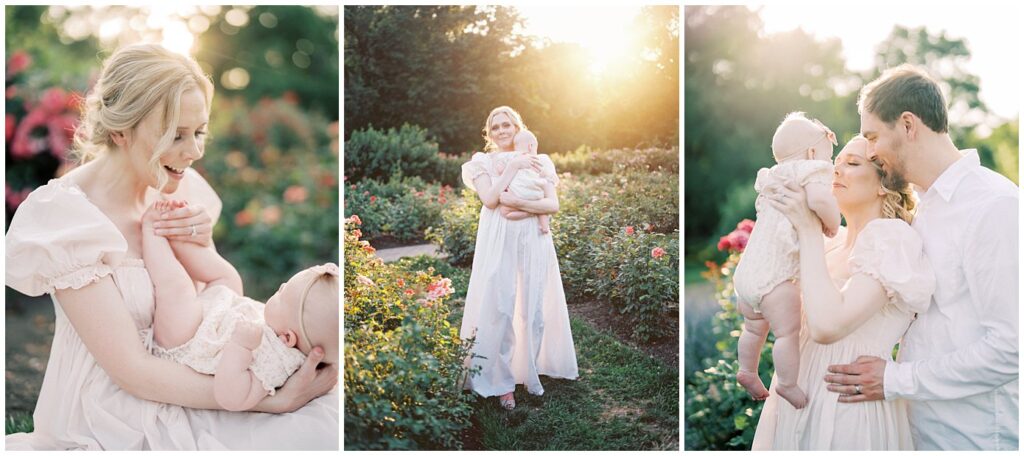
<point>857,389</point>
<point>193,230</point>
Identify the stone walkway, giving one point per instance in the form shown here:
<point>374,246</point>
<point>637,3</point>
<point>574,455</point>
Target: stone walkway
<point>389,255</point>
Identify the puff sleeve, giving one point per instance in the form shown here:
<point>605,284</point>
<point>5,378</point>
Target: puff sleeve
<point>891,252</point>
<point>57,239</point>
<point>476,166</point>
<point>549,169</point>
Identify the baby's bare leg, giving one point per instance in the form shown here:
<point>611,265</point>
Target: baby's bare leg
<point>177,313</point>
<point>755,331</point>
<point>781,308</point>
<point>545,223</point>
<point>512,213</point>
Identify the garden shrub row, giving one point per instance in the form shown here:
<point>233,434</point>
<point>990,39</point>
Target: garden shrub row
<point>585,160</point>
<point>400,209</point>
<point>408,151</point>
<point>403,357</point>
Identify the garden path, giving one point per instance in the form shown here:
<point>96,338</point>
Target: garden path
<point>393,254</point>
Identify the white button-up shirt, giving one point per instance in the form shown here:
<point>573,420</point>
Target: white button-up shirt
<point>958,361</point>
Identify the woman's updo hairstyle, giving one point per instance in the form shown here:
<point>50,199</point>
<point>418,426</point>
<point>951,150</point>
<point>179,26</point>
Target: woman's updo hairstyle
<point>135,80</point>
<point>517,120</point>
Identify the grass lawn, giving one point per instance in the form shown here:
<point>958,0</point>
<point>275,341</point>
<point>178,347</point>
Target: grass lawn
<point>18,422</point>
<point>623,400</point>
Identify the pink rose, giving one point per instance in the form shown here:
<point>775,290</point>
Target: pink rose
<point>657,252</point>
<point>629,230</point>
<point>295,194</point>
<point>409,292</point>
<point>18,62</point>
<point>355,219</point>
<point>746,225</point>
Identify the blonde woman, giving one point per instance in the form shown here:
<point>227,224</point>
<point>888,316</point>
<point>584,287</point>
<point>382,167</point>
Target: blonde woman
<point>78,239</point>
<point>515,304</point>
<point>861,291</point>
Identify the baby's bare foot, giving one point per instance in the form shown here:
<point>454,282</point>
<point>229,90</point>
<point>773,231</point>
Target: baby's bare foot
<point>792,394</point>
<point>752,383</point>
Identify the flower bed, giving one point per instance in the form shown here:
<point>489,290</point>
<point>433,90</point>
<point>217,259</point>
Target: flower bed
<point>403,358</point>
<point>400,209</point>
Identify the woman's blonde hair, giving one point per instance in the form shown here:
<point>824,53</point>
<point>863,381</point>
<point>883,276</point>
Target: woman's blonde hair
<point>517,120</point>
<point>134,81</point>
<point>899,201</point>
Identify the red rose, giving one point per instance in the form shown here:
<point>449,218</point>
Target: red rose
<point>629,230</point>
<point>409,292</point>
<point>18,62</point>
<point>373,199</point>
<point>400,282</point>
<point>723,243</point>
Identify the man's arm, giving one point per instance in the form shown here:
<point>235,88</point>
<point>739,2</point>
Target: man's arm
<point>991,269</point>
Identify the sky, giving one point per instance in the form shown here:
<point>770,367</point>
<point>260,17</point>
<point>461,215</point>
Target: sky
<point>993,35</point>
<point>599,29</point>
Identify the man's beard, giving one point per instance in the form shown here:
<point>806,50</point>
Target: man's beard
<point>895,175</point>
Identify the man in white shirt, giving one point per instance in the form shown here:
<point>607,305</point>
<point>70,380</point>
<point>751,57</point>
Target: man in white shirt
<point>958,362</point>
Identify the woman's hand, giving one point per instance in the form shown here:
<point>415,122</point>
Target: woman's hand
<point>791,200</point>
<point>523,161</point>
<point>510,200</point>
<point>304,385</point>
<point>178,225</point>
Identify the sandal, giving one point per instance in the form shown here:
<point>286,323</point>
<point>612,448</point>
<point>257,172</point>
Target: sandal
<point>507,403</point>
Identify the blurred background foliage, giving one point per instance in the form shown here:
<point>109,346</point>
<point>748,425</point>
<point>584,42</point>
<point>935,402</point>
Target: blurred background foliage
<point>740,83</point>
<point>272,154</point>
<point>443,68</point>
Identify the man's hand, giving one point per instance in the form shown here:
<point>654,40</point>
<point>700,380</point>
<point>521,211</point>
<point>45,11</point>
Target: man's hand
<point>867,372</point>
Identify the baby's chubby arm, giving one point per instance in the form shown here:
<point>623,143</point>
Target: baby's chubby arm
<point>823,204</point>
<point>204,264</point>
<point>235,387</point>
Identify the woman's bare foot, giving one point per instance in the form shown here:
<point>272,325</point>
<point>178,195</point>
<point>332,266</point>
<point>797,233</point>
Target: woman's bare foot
<point>752,383</point>
<point>508,400</point>
<point>792,394</point>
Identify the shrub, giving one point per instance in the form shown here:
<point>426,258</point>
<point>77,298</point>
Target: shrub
<point>587,161</point>
<point>401,208</point>
<point>407,151</point>
<point>404,361</point>
<point>720,415</point>
<point>456,231</point>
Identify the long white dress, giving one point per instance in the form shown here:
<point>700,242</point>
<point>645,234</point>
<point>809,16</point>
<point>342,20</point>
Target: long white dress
<point>515,304</point>
<point>58,239</point>
<point>891,252</point>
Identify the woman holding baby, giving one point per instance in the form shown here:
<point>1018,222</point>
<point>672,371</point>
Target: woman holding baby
<point>515,305</point>
<point>79,238</point>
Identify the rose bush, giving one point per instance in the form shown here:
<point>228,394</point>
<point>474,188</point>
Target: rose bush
<point>403,357</point>
<point>720,415</point>
<point>400,209</point>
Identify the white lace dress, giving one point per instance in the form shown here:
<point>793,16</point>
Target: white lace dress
<point>891,252</point>
<point>515,304</point>
<point>58,239</point>
<point>772,254</point>
<point>272,362</point>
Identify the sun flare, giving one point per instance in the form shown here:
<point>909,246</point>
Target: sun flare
<point>604,32</point>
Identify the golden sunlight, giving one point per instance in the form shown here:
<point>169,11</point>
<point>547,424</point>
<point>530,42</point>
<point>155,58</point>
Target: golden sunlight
<point>178,38</point>
<point>603,31</point>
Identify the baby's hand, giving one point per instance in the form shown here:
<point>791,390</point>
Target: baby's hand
<point>156,209</point>
<point>828,232</point>
<point>247,334</point>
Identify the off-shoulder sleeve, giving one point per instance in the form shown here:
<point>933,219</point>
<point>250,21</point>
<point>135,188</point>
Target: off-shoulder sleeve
<point>474,168</point>
<point>891,252</point>
<point>58,239</point>
<point>818,171</point>
<point>549,169</point>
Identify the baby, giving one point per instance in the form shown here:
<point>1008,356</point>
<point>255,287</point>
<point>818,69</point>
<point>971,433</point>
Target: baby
<point>765,279</point>
<point>249,347</point>
<point>527,184</point>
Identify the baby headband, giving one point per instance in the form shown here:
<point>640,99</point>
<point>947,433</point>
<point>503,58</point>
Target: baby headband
<point>320,271</point>
<point>828,134</point>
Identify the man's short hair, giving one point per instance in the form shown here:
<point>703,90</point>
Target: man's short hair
<point>905,88</point>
